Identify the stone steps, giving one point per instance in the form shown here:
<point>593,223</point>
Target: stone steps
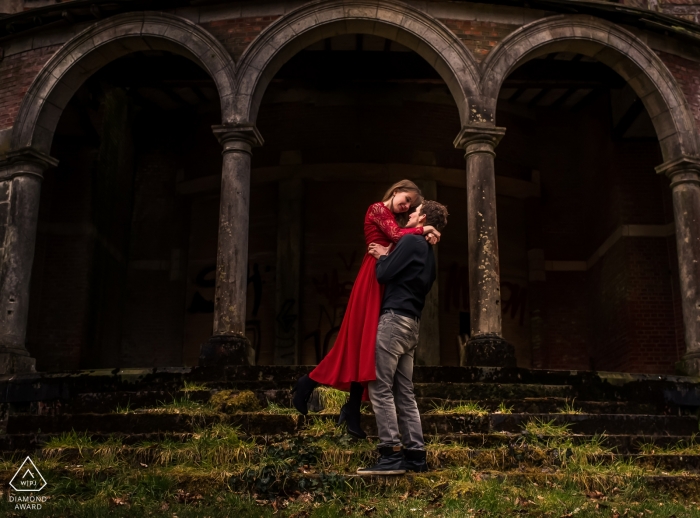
<point>114,401</point>
<point>261,423</point>
<point>685,485</point>
<point>439,456</point>
<point>621,443</point>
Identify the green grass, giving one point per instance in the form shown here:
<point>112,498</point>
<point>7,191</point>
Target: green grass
<point>182,405</point>
<point>689,447</point>
<point>569,408</point>
<point>190,386</point>
<point>469,495</point>
<point>275,409</point>
<point>331,399</point>
<point>540,427</point>
<point>458,407</point>
<point>217,471</point>
<point>503,409</point>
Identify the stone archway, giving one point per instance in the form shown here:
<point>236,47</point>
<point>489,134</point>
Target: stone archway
<point>388,18</point>
<point>613,46</point>
<point>21,170</point>
<point>669,112</point>
<point>102,43</point>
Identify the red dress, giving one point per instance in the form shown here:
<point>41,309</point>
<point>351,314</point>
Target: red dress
<point>352,356</point>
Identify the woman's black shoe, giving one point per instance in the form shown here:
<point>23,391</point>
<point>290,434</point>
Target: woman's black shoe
<point>302,393</point>
<point>351,419</point>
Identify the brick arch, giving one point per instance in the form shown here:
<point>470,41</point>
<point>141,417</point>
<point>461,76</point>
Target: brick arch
<point>389,19</point>
<point>102,43</point>
<point>615,47</point>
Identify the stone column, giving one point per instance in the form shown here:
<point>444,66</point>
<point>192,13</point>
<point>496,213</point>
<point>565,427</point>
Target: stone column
<point>428,349</point>
<point>684,174</point>
<point>288,274</point>
<point>228,344</point>
<point>486,346</point>
<point>20,189</point>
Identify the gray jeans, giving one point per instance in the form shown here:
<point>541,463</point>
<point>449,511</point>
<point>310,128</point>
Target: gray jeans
<point>394,403</point>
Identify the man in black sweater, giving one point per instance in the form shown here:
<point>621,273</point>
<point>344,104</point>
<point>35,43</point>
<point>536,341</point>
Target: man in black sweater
<point>408,273</point>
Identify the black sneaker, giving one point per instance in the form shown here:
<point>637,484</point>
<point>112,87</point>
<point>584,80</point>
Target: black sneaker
<point>414,460</point>
<point>390,463</point>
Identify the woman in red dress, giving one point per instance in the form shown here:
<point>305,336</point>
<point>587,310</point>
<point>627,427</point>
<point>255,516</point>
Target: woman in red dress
<point>350,364</point>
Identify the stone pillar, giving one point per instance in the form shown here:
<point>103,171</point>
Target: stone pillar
<point>428,349</point>
<point>228,344</point>
<point>20,189</point>
<point>684,174</point>
<point>486,346</point>
<point>288,273</point>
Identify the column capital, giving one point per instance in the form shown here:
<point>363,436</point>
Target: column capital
<point>479,134</point>
<point>241,137</point>
<point>25,162</point>
<point>685,169</point>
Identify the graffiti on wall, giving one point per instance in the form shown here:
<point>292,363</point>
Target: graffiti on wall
<point>204,280</point>
<point>456,294</point>
<point>330,314</point>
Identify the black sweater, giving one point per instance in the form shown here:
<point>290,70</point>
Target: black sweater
<point>409,273</point>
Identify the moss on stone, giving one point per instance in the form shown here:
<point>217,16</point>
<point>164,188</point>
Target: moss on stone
<point>232,402</point>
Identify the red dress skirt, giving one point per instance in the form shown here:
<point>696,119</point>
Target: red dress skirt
<point>352,356</point>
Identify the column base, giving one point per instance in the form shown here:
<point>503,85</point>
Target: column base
<point>226,350</point>
<point>490,351</point>
<point>13,363</point>
<point>689,366</point>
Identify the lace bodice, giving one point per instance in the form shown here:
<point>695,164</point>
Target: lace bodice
<point>381,226</point>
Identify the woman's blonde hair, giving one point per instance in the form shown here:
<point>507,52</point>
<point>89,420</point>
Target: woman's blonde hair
<point>404,186</point>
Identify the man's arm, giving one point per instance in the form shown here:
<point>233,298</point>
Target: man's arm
<point>390,266</point>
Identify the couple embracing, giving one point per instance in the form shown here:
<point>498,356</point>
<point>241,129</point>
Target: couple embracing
<point>374,351</point>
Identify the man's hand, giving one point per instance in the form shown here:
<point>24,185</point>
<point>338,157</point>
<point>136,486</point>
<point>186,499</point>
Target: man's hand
<point>377,251</point>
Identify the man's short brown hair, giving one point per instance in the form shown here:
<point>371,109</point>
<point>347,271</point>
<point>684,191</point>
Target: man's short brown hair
<point>435,214</point>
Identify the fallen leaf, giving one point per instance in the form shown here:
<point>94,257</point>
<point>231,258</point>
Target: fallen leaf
<point>595,495</point>
<point>118,501</point>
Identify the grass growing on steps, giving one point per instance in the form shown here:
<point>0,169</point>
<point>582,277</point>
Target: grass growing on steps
<point>218,472</point>
<point>191,386</point>
<point>458,407</point>
<point>275,409</point>
<point>503,409</point>
<point>689,447</point>
<point>569,408</point>
<point>183,405</point>
<point>331,399</point>
<point>540,427</point>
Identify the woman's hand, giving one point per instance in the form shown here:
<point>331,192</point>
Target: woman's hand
<point>432,236</point>
<point>377,251</point>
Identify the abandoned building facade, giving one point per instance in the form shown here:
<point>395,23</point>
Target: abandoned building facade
<point>177,173</point>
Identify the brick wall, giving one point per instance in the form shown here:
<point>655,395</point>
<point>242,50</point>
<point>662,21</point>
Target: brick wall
<point>237,34</point>
<point>687,73</point>
<point>566,333</point>
<point>16,74</point>
<point>479,37</point>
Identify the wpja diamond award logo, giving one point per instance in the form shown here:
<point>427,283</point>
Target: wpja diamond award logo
<point>27,478</point>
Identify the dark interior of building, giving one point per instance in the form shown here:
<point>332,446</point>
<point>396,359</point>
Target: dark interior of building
<point>123,274</point>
